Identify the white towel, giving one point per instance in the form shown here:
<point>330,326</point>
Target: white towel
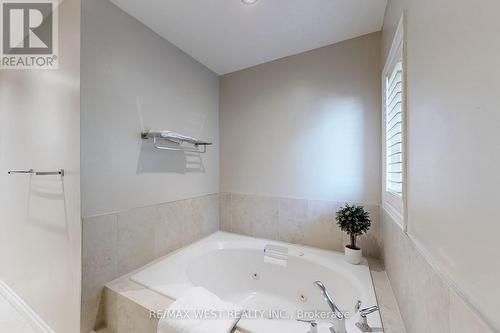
<point>199,311</point>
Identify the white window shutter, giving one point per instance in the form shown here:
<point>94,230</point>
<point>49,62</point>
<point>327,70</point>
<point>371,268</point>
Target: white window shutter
<point>394,130</point>
<point>394,198</point>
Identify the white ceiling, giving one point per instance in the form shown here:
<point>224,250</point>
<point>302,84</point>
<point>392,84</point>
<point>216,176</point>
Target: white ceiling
<point>226,35</point>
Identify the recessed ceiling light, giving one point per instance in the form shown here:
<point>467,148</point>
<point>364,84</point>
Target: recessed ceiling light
<point>249,2</point>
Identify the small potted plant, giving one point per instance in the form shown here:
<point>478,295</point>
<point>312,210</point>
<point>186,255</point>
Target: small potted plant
<point>355,221</point>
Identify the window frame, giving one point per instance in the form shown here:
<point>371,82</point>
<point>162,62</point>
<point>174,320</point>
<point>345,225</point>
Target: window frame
<point>396,205</point>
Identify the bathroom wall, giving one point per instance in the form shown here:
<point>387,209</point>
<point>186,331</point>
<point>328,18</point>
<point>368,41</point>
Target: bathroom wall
<point>300,136</point>
<point>140,203</point>
<point>117,244</point>
<point>426,299</point>
<point>299,221</point>
<point>453,179</point>
<point>132,79</point>
<point>40,224</point>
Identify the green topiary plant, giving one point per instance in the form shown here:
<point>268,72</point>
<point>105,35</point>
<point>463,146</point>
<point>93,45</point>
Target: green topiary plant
<point>353,220</point>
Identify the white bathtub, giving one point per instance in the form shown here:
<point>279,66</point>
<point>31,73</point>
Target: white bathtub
<point>233,267</point>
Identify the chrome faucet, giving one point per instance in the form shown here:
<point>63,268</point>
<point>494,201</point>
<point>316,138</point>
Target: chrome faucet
<point>314,325</point>
<point>328,298</point>
<point>362,324</point>
<point>338,326</point>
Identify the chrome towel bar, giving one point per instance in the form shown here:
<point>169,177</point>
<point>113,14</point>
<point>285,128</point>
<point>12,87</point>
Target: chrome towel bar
<point>59,172</point>
<point>177,141</point>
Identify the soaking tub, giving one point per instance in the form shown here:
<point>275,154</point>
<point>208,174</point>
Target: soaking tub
<point>238,270</point>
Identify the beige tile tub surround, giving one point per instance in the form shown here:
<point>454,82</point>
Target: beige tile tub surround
<point>129,306</point>
<point>388,306</point>
<point>306,222</point>
<point>426,301</point>
<point>115,244</point>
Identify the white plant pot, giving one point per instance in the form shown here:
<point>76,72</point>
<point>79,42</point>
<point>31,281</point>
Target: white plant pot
<point>353,256</point>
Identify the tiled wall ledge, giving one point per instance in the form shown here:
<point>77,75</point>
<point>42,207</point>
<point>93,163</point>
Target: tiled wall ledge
<point>118,243</point>
<point>306,222</point>
<point>426,302</point>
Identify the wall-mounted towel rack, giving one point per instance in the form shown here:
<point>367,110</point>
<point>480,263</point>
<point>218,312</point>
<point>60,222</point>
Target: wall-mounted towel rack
<point>37,173</point>
<point>177,139</point>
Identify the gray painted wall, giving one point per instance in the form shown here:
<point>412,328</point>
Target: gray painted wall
<point>305,126</point>
<point>40,222</point>
<point>300,136</point>
<point>453,144</point>
<point>134,79</point>
<point>140,203</point>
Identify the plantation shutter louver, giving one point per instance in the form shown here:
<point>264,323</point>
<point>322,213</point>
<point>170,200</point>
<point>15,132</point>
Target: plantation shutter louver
<point>394,130</point>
